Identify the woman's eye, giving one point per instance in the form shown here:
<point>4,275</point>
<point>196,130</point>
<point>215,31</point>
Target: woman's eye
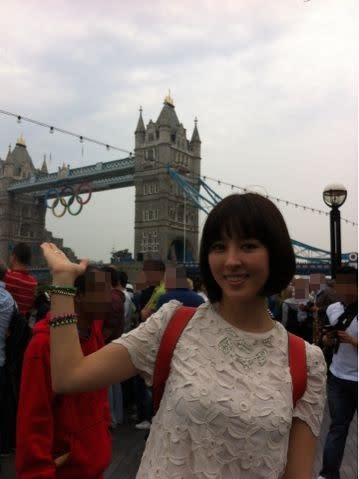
<point>218,246</point>
<point>249,246</point>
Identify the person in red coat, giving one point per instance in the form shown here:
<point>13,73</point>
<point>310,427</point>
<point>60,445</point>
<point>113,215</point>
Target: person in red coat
<point>62,436</point>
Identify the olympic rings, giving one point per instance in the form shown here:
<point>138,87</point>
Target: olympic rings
<point>48,193</point>
<point>89,192</point>
<point>67,204</point>
<point>54,204</point>
<point>70,202</point>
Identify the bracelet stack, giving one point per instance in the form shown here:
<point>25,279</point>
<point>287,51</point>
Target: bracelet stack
<point>63,320</point>
<point>62,290</point>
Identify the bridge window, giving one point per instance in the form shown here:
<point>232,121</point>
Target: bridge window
<point>151,154</point>
<point>151,137</point>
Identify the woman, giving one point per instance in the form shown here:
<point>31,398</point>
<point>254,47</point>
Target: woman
<point>227,407</point>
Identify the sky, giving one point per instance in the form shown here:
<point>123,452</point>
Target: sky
<point>272,83</point>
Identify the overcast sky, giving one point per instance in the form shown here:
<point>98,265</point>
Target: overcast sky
<point>273,84</point>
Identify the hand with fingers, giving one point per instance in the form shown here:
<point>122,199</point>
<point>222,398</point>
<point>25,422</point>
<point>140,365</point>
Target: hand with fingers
<point>344,337</point>
<point>64,272</point>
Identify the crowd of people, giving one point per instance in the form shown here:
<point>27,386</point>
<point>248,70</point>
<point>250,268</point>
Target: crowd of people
<point>228,408</point>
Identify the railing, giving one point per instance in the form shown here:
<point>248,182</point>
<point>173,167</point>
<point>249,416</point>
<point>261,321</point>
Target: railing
<point>94,173</point>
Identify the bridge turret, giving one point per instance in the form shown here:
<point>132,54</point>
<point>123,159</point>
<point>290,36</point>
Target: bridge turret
<point>22,217</point>
<point>140,131</point>
<point>195,147</point>
<point>22,165</point>
<point>9,166</point>
<point>44,169</point>
<point>167,122</point>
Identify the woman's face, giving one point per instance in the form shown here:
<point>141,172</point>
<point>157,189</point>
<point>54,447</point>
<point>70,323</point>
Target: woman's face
<point>240,267</point>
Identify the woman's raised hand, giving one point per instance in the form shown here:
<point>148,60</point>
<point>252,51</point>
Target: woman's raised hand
<point>64,272</point>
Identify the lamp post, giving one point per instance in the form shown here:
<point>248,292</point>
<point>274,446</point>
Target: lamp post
<point>334,196</point>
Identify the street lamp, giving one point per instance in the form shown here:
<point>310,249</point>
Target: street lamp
<point>334,196</point>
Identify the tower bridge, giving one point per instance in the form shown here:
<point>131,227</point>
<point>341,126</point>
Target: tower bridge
<point>166,174</point>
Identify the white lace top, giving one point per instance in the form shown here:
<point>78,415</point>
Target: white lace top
<point>226,411</point>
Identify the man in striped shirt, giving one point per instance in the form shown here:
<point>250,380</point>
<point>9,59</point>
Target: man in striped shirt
<point>19,281</point>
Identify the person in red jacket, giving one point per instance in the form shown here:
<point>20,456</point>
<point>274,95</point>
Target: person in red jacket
<point>64,436</point>
<point>19,282</point>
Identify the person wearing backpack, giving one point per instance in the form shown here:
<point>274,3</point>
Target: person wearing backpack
<point>342,335</point>
<point>228,408</point>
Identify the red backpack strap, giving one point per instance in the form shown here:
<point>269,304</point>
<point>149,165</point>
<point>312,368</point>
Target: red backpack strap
<point>297,365</point>
<point>164,356</point>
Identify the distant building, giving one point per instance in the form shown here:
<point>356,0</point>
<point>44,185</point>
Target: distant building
<point>22,217</point>
<point>122,256</point>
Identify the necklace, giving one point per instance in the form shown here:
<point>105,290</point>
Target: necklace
<point>216,308</point>
<point>248,351</point>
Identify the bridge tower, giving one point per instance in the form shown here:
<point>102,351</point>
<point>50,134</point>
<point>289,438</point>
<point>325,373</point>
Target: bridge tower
<point>166,223</point>
<point>22,218</point>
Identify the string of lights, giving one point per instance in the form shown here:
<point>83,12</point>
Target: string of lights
<point>52,129</point>
<point>83,138</point>
<point>278,200</point>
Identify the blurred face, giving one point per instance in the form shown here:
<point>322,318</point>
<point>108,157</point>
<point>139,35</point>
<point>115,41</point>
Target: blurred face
<point>153,278</point>
<point>96,302</point>
<point>240,267</point>
<point>174,279</point>
<point>346,288</point>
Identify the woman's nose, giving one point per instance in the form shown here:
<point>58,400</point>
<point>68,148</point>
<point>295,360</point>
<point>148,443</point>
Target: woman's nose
<point>234,255</point>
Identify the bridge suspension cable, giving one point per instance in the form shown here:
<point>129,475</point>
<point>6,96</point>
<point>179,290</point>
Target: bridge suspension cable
<point>303,252</point>
<point>52,129</point>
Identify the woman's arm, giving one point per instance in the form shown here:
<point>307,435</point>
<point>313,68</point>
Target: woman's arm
<point>301,451</point>
<point>71,371</point>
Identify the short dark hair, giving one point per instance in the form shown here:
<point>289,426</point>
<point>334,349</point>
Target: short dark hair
<point>113,273</point>
<point>122,278</point>
<point>249,215</point>
<point>154,265</point>
<point>83,282</point>
<point>22,253</point>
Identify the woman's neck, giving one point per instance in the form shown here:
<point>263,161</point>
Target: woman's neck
<point>252,316</point>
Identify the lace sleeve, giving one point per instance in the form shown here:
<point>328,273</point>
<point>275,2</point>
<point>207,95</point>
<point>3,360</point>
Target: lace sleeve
<point>310,407</point>
<point>143,342</point>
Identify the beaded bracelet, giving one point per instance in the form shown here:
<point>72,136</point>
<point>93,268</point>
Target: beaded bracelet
<point>63,320</point>
<point>62,290</point>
